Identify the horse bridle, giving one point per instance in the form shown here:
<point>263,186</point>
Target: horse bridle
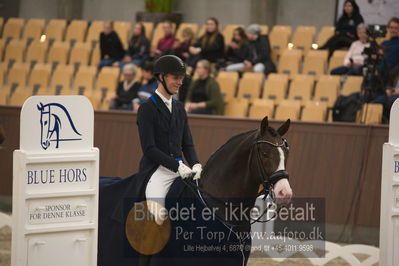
<point>266,180</point>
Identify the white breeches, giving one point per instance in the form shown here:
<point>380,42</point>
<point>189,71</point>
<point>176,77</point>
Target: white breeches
<point>156,190</point>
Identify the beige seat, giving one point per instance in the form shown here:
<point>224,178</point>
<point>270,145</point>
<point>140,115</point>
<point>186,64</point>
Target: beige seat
<point>182,26</point>
<point>36,52</point>
<point>39,77</point>
<point>19,97</point>
<point>95,56</point>
<point>264,29</point>
<point>327,89</point>
<point>315,63</point>
<point>61,80</point>
<point>3,97</point>
<point>352,84</point>
<point>33,29</point>
<point>84,80</point>
<point>288,109</point>
<point>55,30</point>
<point>301,88</point>
<point>290,62</point>
<point>149,28</point>
<point>123,28</point>
<point>261,108</point>
<point>3,68</point>
<point>325,33</point>
<point>275,87</point>
<point>314,112</point>
<point>250,85</point>
<point>80,54</point>
<point>15,51</point>
<point>236,107</point>
<point>18,74</point>
<point>2,46</point>
<point>371,113</point>
<point>337,59</point>
<point>93,33</point>
<point>303,38</point>
<point>279,42</point>
<point>76,31</point>
<point>107,81</point>
<point>58,53</point>
<point>13,28</point>
<point>228,84</point>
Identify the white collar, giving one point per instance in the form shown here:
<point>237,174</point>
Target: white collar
<point>168,102</point>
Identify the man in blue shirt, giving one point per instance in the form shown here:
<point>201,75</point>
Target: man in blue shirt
<point>392,46</point>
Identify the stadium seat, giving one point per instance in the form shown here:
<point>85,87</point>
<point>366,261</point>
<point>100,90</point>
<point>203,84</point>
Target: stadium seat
<point>149,28</point>
<point>351,85</point>
<point>228,84</point>
<point>264,29</point>
<point>303,38</point>
<point>1,24</point>
<point>95,56</point>
<point>315,63</point>
<point>84,80</point>
<point>61,80</point>
<point>249,86</point>
<point>301,88</point>
<point>288,109</point>
<point>58,53</point>
<point>289,62</point>
<point>3,97</point>
<point>371,113</point>
<point>325,33</point>
<point>107,80</point>
<point>123,28</point>
<point>275,87</point>
<point>158,34</point>
<point>2,74</point>
<point>76,31</point>
<point>261,108</point>
<point>314,112</point>
<point>337,59</point>
<point>19,97</point>
<point>278,42</point>
<point>39,77</point>
<point>13,29</point>
<point>93,33</point>
<point>36,52</point>
<point>55,30</point>
<point>228,31</point>
<point>33,29</point>
<point>327,89</point>
<point>236,107</point>
<point>182,26</point>
<point>15,52</point>
<point>80,54</point>
<point>17,77</point>
<point>2,45</point>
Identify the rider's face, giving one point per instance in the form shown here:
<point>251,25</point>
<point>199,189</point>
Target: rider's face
<point>174,82</point>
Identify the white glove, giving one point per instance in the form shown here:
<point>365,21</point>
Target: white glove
<point>197,169</point>
<point>184,170</point>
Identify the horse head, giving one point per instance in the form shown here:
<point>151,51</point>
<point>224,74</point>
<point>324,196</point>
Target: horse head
<point>45,116</point>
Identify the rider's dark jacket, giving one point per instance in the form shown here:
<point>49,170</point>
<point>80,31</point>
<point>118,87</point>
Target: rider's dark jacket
<point>164,135</point>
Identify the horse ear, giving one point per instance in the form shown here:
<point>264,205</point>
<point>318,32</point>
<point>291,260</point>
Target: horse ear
<point>263,126</point>
<point>284,128</point>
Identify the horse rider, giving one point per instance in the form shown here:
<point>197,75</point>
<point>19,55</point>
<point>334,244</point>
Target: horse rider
<point>165,135</point>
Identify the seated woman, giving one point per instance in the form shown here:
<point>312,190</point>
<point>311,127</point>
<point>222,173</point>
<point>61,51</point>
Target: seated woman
<point>126,90</point>
<point>354,59</point>
<point>237,50</point>
<point>182,47</point>
<point>111,47</point>
<point>148,86</point>
<point>345,28</point>
<point>210,45</point>
<point>203,95</point>
<point>139,47</point>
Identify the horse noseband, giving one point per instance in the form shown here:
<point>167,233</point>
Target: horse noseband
<point>275,177</point>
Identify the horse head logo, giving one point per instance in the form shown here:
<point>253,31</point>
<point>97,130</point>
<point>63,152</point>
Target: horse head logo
<point>51,115</point>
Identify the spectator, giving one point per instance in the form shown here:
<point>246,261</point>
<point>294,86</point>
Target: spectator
<point>126,90</point>
<point>392,46</point>
<point>148,86</point>
<point>237,50</point>
<point>166,43</point>
<point>210,45</point>
<point>111,47</point>
<point>182,48</point>
<point>139,47</point>
<point>354,59</point>
<point>259,59</point>
<point>203,95</point>
<point>345,28</point>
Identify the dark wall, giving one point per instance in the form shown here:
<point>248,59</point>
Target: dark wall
<point>338,162</point>
<point>9,8</point>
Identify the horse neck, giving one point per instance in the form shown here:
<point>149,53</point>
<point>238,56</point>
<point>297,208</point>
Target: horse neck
<point>228,173</point>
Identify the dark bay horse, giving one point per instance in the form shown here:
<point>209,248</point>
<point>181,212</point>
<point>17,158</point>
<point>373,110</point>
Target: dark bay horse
<point>231,177</point>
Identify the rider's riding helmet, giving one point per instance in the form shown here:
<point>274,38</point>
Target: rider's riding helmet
<point>168,64</point>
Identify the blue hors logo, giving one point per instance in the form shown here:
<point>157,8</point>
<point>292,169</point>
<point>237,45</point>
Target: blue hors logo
<point>52,117</point>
